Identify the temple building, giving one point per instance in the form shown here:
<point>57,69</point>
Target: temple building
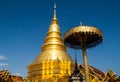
<point>6,76</point>
<point>96,75</point>
<point>53,64</point>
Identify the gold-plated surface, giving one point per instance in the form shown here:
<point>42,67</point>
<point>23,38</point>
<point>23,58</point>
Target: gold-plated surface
<point>89,35</point>
<point>53,63</point>
<point>52,55</point>
<point>85,64</point>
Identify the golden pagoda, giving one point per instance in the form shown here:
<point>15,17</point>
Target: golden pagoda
<point>53,64</point>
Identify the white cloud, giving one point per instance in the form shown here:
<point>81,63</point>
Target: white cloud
<point>3,65</point>
<point>2,57</point>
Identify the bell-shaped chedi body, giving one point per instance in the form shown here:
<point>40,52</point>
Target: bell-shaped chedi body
<point>53,63</point>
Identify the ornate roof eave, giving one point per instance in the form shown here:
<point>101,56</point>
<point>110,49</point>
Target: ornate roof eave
<point>111,75</point>
<point>92,71</point>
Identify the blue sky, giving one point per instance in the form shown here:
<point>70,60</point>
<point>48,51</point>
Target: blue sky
<point>24,24</point>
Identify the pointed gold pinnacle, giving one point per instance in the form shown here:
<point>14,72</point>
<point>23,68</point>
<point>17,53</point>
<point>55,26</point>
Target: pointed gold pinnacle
<point>54,18</point>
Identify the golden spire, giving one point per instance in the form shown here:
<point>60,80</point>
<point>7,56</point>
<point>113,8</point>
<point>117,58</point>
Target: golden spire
<point>54,35</point>
<point>53,45</point>
<point>54,20</point>
<point>54,17</point>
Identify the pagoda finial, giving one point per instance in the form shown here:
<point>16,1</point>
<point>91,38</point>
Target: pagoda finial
<point>80,23</point>
<point>54,18</point>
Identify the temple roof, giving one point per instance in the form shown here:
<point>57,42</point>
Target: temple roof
<point>4,74</point>
<point>94,70</point>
